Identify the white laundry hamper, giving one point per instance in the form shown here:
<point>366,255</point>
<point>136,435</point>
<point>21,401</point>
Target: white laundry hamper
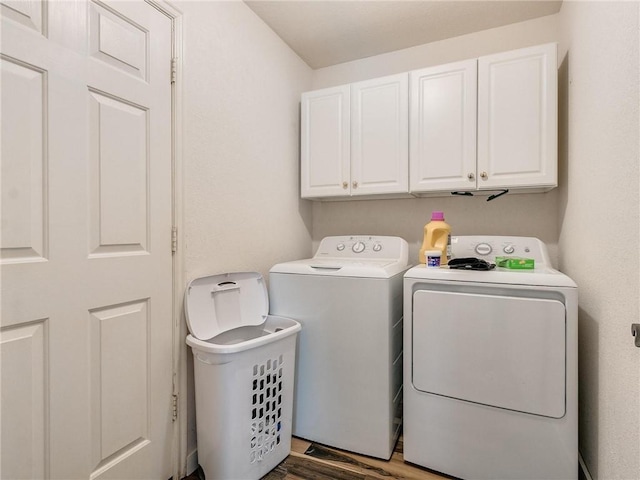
<point>244,364</point>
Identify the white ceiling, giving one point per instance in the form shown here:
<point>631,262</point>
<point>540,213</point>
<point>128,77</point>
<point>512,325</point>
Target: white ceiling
<point>327,32</point>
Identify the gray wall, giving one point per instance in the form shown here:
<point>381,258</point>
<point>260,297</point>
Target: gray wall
<point>242,207</point>
<point>598,219</point>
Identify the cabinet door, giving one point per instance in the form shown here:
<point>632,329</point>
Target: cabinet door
<point>517,118</point>
<point>443,127</point>
<point>379,128</point>
<point>325,143</point>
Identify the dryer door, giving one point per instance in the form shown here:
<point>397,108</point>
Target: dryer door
<point>502,351</point>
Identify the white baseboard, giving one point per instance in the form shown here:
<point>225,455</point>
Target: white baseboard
<point>583,467</point>
<point>192,462</point>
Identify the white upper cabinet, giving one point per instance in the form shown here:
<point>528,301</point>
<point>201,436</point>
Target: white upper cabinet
<point>354,139</point>
<point>325,143</point>
<point>482,124</point>
<point>518,119</point>
<point>380,136</point>
<point>443,128</point>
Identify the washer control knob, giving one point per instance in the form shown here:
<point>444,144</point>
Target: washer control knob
<point>340,247</point>
<point>358,247</point>
<point>377,247</point>
<point>509,249</point>
<point>483,249</point>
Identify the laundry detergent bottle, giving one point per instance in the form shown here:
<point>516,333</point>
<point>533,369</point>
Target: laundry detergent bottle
<point>437,236</point>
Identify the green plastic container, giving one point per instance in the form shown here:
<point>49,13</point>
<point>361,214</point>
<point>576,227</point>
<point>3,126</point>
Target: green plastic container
<point>515,263</point>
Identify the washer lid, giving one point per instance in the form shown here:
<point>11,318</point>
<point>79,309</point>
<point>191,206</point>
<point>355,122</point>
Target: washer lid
<point>218,303</point>
<point>341,267</point>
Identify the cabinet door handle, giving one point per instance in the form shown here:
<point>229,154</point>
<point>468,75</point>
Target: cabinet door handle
<point>355,184</point>
<point>345,185</point>
<point>484,175</point>
<point>471,176</point>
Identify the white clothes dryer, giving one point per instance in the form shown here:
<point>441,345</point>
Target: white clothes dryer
<point>348,298</point>
<point>490,366</point>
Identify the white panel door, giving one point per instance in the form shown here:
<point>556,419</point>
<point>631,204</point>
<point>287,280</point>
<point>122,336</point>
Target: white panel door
<point>443,128</point>
<point>517,118</point>
<point>86,332</point>
<point>325,143</point>
<point>380,136</point>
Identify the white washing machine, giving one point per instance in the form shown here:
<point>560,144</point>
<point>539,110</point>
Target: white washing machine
<point>348,298</point>
<point>490,366</point>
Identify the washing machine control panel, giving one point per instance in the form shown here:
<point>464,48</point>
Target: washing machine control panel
<point>362,247</point>
<point>488,247</point>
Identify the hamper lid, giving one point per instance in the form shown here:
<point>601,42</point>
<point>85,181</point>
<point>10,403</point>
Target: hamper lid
<point>218,303</point>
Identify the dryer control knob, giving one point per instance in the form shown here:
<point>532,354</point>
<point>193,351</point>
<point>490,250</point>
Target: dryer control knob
<point>358,247</point>
<point>340,247</point>
<point>508,249</point>
<point>483,249</point>
<point>377,247</point>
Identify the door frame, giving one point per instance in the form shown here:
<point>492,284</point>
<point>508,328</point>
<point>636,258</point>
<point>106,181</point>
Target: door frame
<point>179,434</point>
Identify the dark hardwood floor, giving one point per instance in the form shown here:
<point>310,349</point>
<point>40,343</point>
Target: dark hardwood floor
<point>311,461</point>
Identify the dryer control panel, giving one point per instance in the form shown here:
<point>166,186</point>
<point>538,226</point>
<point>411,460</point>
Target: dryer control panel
<point>363,247</point>
<point>489,247</point>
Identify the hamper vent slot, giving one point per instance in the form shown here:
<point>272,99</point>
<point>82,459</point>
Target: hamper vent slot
<point>266,414</point>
